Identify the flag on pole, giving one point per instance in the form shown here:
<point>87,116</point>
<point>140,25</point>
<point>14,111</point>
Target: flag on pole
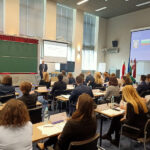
<point>129,66</point>
<point>123,69</point>
<point>134,69</point>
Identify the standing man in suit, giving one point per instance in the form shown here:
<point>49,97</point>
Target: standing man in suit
<point>43,68</point>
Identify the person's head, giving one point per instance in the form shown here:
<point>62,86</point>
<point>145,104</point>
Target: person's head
<point>98,79</point>
<point>113,81</point>
<point>46,77</point>
<point>14,114</point>
<point>70,75</point>
<point>25,87</point>
<point>60,77</point>
<point>106,74</point>
<point>63,72</point>
<point>113,75</point>
<point>131,96</point>
<point>148,78</point>
<point>89,73</point>
<point>42,61</point>
<point>127,80</point>
<point>82,75</point>
<point>143,78</point>
<point>84,108</point>
<point>7,80</point>
<point>79,79</point>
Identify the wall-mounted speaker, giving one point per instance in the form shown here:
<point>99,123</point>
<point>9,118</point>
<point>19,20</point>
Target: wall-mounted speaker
<point>115,43</point>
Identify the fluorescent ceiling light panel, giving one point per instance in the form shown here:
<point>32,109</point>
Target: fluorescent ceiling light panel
<point>100,9</point>
<point>81,2</point>
<point>142,4</point>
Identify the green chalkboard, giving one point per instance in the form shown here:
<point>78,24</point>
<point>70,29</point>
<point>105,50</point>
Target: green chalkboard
<point>16,57</point>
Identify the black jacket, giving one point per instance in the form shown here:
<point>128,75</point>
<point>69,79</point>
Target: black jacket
<point>6,89</point>
<point>76,131</point>
<point>80,89</point>
<point>142,87</point>
<point>41,68</point>
<point>43,83</point>
<point>59,85</point>
<point>29,100</point>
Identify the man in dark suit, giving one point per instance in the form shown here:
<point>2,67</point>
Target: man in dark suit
<point>89,78</point>
<point>43,68</point>
<point>80,89</point>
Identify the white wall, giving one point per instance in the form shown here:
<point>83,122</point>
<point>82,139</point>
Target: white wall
<point>118,28</point>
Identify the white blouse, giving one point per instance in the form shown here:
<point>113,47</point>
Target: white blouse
<point>16,138</point>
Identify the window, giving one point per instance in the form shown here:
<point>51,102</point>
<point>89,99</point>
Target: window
<point>1,15</point>
<point>88,52</point>
<point>32,17</point>
<point>64,29</point>
<point>64,24</point>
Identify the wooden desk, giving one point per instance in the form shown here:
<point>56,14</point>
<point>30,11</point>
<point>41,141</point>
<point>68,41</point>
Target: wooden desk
<point>37,104</point>
<point>43,91</point>
<point>61,98</point>
<point>105,111</point>
<point>37,133</point>
<point>99,94</point>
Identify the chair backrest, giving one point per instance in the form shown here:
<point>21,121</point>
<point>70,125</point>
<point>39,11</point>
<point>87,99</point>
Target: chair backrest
<point>35,114</point>
<point>147,129</point>
<point>89,144</point>
<point>144,93</point>
<point>117,99</point>
<point>58,92</point>
<point>5,98</point>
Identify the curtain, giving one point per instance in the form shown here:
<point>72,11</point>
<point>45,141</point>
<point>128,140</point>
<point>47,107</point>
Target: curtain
<point>1,15</point>
<point>32,17</point>
<point>88,53</point>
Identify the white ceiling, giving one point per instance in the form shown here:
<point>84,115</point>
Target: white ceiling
<point>114,7</point>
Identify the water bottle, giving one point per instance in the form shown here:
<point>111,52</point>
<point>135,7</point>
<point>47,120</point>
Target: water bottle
<point>46,115</point>
<point>112,101</point>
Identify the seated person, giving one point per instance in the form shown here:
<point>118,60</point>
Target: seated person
<point>136,112</point>
<point>106,77</point>
<point>82,75</point>
<point>80,89</point>
<point>148,81</point>
<point>113,88</point>
<point>59,85</point>
<point>81,126</point>
<point>65,79</point>
<point>126,81</point>
<point>98,81</point>
<point>28,99</point>
<point>142,87</point>
<point>45,81</point>
<point>6,86</point>
<point>71,78</point>
<point>15,127</point>
<point>89,78</point>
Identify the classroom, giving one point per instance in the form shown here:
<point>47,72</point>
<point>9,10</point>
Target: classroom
<point>74,74</point>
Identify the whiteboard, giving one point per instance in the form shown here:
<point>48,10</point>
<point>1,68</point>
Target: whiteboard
<point>55,52</point>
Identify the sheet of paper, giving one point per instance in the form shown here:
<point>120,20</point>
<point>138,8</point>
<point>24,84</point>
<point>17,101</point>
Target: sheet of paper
<point>43,88</point>
<point>113,112</point>
<point>58,117</point>
<point>66,96</point>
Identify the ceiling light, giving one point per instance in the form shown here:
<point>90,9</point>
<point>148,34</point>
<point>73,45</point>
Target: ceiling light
<point>81,2</point>
<point>100,9</point>
<point>126,0</point>
<point>145,3</point>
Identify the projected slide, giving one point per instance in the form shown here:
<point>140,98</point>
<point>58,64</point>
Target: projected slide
<point>140,45</point>
<point>55,52</point>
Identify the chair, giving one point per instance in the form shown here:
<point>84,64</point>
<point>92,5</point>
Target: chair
<point>90,144</point>
<point>135,136</point>
<point>5,98</point>
<point>35,114</point>
<point>144,93</point>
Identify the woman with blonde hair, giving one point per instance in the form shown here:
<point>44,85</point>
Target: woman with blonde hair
<point>15,127</point>
<point>136,114</point>
<point>46,80</point>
